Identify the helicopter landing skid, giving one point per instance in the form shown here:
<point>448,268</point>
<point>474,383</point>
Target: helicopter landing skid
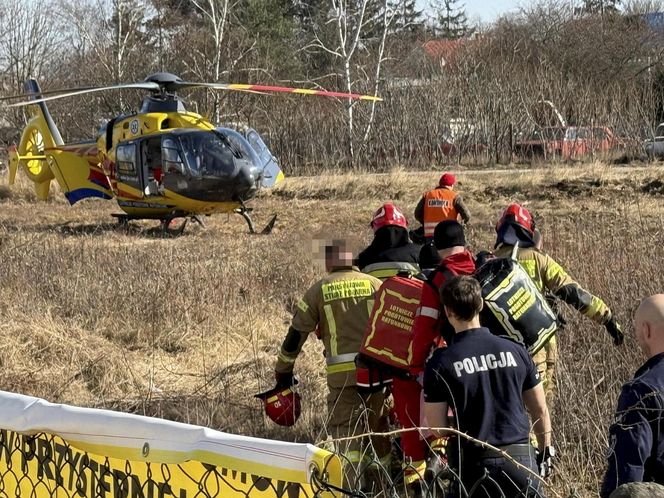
<point>173,232</point>
<point>123,219</point>
<point>165,223</point>
<point>244,212</point>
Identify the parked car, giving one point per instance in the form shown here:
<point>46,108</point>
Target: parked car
<point>567,142</point>
<point>461,136</point>
<point>655,146</point>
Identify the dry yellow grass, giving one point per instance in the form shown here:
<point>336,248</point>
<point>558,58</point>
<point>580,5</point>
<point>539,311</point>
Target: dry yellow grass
<point>188,328</point>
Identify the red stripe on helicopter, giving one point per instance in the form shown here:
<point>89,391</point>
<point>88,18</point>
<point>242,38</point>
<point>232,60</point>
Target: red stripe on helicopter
<point>303,91</point>
<point>81,150</point>
<point>127,195</point>
<point>99,178</point>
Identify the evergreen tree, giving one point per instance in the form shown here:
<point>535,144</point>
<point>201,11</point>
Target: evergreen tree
<point>408,19</point>
<point>601,6</point>
<point>309,16</point>
<point>451,21</point>
<point>372,28</point>
<point>271,25</point>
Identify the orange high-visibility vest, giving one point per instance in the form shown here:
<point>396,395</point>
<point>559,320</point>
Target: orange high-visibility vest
<point>438,206</point>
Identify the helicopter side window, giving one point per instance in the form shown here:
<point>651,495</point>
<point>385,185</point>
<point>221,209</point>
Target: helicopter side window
<point>126,160</point>
<point>256,142</point>
<point>125,163</point>
<point>267,160</point>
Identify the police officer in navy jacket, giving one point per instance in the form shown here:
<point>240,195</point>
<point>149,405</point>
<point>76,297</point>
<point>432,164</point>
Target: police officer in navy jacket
<point>636,438</point>
<point>486,380</point>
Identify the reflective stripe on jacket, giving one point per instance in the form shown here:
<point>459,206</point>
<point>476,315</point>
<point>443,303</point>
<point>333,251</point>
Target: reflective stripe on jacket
<point>430,315</point>
<point>389,269</point>
<point>438,206</point>
<point>549,275</point>
<point>337,307</point>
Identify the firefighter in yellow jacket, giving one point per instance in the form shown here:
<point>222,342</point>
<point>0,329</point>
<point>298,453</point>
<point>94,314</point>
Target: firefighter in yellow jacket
<point>516,226</point>
<point>337,308</point>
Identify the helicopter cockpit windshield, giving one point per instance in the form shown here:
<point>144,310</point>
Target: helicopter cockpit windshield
<point>207,165</point>
<point>209,154</point>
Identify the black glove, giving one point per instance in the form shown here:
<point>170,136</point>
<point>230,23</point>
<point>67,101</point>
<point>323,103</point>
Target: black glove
<point>285,379</point>
<point>615,331</point>
<point>545,460</point>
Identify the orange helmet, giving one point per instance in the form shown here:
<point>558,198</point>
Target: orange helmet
<point>519,215</point>
<point>282,405</point>
<point>388,214</point>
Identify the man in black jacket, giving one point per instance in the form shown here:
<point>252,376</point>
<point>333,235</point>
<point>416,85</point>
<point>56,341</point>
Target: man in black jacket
<point>636,438</point>
<point>491,384</point>
<point>391,251</point>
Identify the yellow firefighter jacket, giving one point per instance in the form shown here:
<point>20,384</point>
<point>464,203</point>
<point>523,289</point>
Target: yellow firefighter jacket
<point>548,274</point>
<point>337,307</point>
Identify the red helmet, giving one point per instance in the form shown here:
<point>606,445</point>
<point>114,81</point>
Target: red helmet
<point>520,215</point>
<point>447,180</point>
<point>388,214</point>
<point>282,405</point>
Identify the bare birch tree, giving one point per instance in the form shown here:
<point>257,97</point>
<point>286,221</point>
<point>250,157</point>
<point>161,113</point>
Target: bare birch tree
<point>29,40</point>
<point>351,19</point>
<point>215,13</point>
<point>110,32</point>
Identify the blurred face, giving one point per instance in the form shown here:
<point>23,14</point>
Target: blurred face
<point>338,256</point>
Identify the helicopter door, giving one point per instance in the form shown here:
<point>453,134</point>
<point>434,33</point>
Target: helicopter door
<point>152,166</point>
<point>126,165</point>
<point>269,164</point>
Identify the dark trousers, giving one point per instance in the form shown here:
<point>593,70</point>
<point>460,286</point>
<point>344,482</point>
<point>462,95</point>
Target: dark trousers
<point>486,474</point>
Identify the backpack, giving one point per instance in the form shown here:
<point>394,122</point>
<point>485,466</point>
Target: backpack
<point>388,337</point>
<point>513,305</point>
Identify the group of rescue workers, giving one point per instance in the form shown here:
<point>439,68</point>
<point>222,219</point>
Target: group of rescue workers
<point>431,336</point>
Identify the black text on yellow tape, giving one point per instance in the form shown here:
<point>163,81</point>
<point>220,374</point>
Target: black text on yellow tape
<point>45,465</point>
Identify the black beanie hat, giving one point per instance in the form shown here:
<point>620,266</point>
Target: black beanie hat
<point>448,234</point>
<point>429,257</point>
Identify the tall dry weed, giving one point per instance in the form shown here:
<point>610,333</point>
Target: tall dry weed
<point>189,328</point>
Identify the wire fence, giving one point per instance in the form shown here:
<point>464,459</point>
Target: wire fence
<point>372,477</point>
<point>44,465</point>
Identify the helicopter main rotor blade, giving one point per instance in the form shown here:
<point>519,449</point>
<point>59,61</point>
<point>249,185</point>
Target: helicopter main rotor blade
<point>213,86</point>
<point>239,87</point>
<point>43,94</point>
<point>137,86</point>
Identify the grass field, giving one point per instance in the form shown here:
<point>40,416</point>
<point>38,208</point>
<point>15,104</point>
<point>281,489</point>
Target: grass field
<point>188,328</point>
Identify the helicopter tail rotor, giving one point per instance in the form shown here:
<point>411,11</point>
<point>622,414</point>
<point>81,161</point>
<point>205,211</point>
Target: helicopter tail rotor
<point>39,134</point>
<point>30,155</point>
<point>43,157</point>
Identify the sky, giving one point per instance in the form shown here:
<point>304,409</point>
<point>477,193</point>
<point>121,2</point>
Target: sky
<point>489,10</point>
<point>485,10</point>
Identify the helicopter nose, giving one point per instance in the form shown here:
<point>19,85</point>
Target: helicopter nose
<point>245,183</point>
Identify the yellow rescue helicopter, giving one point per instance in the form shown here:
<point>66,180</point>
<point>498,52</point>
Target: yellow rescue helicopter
<point>162,162</point>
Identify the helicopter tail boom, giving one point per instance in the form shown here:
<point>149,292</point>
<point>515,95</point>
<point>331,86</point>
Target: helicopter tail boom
<point>43,157</point>
<point>31,86</point>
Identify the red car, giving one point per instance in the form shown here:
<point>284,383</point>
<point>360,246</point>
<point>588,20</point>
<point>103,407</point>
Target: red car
<point>567,142</point>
